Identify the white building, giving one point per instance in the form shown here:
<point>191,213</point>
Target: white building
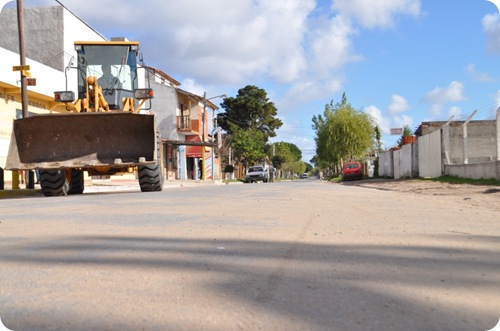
<point>49,36</point>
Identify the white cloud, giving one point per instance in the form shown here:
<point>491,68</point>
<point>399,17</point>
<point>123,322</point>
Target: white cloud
<point>220,41</point>
<point>398,105</point>
<point>380,13</point>
<point>229,43</point>
<point>401,121</point>
<point>453,93</point>
<point>293,132</point>
<point>190,85</point>
<point>456,112</point>
<point>482,77</point>
<point>3,3</point>
<point>380,120</point>
<point>303,92</point>
<point>441,96</point>
<point>491,27</point>
<point>496,98</point>
<point>332,47</point>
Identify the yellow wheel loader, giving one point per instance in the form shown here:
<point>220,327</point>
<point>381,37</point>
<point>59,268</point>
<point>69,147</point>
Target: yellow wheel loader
<point>103,130</point>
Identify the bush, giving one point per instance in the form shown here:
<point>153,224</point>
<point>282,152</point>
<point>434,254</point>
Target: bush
<point>229,168</point>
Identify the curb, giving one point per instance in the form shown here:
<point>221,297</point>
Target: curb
<point>112,186</point>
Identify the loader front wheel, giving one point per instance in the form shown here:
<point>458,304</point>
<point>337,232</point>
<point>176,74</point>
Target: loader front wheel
<point>150,178</point>
<point>54,182</point>
<point>151,175</point>
<point>77,183</point>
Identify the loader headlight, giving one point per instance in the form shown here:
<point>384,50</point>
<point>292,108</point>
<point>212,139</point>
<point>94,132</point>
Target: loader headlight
<point>64,96</point>
<point>143,93</point>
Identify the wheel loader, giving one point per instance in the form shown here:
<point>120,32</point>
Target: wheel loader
<point>103,129</point>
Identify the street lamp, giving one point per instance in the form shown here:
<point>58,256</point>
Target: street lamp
<point>205,99</point>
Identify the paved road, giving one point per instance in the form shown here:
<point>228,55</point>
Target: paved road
<point>305,255</point>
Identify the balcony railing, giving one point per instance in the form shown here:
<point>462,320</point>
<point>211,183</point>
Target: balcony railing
<point>186,124</point>
<point>183,123</point>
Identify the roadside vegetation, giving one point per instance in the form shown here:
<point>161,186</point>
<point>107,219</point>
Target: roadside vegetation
<point>249,121</point>
<point>343,133</point>
<point>458,180</point>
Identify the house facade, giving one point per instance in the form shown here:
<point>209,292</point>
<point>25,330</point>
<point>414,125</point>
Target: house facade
<point>188,147</point>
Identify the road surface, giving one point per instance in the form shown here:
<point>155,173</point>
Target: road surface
<point>302,255</point>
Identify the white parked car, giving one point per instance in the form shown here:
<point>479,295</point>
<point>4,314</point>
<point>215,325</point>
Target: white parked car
<point>257,173</point>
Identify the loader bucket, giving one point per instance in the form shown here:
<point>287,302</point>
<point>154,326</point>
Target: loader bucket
<point>82,140</point>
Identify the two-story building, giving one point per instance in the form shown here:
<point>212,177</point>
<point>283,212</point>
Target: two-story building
<point>190,133</point>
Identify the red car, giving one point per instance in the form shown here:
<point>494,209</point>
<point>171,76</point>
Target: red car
<point>352,170</point>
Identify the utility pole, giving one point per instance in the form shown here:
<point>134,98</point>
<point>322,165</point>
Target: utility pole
<point>203,132</point>
<point>498,136</point>
<point>466,138</point>
<point>24,89</point>
<point>22,56</point>
<point>203,149</point>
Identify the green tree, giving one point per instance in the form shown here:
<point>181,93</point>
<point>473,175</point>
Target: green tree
<point>378,142</point>
<point>342,133</point>
<point>277,161</point>
<point>286,157</point>
<point>247,144</point>
<point>250,110</point>
<point>288,152</point>
<point>406,132</point>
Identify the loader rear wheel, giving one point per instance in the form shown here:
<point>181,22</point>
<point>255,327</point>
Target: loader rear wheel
<point>77,184</point>
<point>54,182</point>
<point>151,175</point>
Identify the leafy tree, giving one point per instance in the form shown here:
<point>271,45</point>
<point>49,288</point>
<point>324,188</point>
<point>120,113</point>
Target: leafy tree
<point>248,145</point>
<point>342,133</point>
<point>250,110</point>
<point>277,161</point>
<point>288,152</point>
<point>297,167</point>
<point>323,158</point>
<point>406,132</point>
<point>378,142</point>
<point>286,156</point>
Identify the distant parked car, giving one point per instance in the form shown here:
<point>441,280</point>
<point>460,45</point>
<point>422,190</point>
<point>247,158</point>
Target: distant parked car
<point>352,170</point>
<point>257,173</point>
<point>304,176</point>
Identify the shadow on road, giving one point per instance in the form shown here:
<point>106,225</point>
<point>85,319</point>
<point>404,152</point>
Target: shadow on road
<point>327,287</point>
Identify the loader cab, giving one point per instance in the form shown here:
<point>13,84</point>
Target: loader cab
<point>113,64</point>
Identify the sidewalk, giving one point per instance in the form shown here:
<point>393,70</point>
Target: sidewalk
<point>107,185</point>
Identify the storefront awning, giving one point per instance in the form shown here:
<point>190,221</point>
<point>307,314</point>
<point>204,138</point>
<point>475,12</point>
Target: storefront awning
<point>193,148</point>
<point>194,151</point>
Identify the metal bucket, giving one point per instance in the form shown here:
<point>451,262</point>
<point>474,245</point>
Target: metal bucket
<point>82,140</point>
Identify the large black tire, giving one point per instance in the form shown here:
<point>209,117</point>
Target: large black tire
<point>77,184</point>
<point>54,182</point>
<point>151,175</point>
<point>150,178</point>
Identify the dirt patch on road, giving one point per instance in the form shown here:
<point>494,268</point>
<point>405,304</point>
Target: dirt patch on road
<point>483,196</point>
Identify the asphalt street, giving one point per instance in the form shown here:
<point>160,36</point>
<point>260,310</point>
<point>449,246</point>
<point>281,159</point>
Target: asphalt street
<point>302,255</point>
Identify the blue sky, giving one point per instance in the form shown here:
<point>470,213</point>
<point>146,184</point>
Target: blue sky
<point>402,61</point>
